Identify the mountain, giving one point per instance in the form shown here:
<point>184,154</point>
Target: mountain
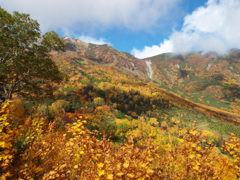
<point>91,112</point>
<point>104,54</point>
<point>195,81</point>
<point>114,116</point>
<point>209,78</point>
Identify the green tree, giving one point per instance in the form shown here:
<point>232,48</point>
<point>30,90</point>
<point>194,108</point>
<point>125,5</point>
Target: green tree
<point>25,60</point>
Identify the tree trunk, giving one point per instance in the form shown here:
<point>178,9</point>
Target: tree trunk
<point>9,96</point>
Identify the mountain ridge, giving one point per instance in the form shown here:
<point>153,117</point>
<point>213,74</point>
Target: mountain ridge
<point>106,55</point>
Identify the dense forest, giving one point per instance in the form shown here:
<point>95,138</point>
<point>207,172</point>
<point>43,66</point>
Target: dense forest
<point>64,115</point>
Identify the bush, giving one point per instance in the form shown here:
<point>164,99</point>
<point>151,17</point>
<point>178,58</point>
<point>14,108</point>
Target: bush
<point>59,106</point>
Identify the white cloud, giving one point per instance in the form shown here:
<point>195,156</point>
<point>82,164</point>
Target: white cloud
<point>213,27</point>
<point>93,14</point>
<point>89,39</point>
<point>147,51</point>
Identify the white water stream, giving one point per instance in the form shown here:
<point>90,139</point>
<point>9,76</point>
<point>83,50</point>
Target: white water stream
<point>149,69</point>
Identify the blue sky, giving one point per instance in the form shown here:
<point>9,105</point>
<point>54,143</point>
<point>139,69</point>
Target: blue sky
<point>143,28</point>
<point>124,39</point>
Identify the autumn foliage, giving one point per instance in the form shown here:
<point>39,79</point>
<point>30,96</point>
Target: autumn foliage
<point>102,126</point>
<point>152,149</point>
<point>105,122</point>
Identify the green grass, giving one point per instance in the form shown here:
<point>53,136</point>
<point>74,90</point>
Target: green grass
<point>203,121</point>
<point>214,102</point>
<point>194,95</point>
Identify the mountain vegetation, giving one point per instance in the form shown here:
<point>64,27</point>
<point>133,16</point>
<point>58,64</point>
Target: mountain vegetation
<point>210,79</point>
<point>91,112</point>
<point>24,54</point>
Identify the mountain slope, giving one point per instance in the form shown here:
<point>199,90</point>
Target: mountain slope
<point>209,79</point>
<point>104,54</point>
<point>103,66</point>
<point>108,122</point>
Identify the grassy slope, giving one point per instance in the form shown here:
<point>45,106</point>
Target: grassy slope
<point>202,83</point>
<point>95,74</point>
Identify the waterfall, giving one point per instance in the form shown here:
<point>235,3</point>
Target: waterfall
<point>149,69</point>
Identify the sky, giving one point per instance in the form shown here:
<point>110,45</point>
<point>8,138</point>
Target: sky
<point>143,28</point>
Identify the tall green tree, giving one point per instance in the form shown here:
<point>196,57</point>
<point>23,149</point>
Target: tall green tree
<point>25,60</point>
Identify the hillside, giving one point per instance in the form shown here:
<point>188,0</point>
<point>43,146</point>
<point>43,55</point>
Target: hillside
<point>104,54</point>
<point>73,110</point>
<point>84,54</point>
<point>107,119</point>
<point>210,79</point>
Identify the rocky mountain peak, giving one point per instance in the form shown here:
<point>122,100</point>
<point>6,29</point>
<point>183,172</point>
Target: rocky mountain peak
<point>75,44</point>
<point>105,54</point>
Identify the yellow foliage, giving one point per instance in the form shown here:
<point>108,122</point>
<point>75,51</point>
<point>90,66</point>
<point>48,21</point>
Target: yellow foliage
<point>152,150</point>
<point>153,121</point>
<point>59,106</point>
<point>232,147</point>
<point>16,108</point>
<point>98,101</point>
<point>10,114</point>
